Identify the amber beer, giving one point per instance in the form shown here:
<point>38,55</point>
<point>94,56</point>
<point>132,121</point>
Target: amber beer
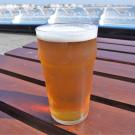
<point>67,54</point>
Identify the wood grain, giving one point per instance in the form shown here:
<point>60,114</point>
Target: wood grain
<point>30,54</point>
<point>102,46</point>
<point>11,126</point>
<point>23,69</point>
<point>102,119</point>
<point>32,45</point>
<point>23,53</point>
<point>115,48</point>
<point>17,93</point>
<point>126,72</point>
<point>109,88</point>
<point>115,70</point>
<point>116,57</point>
<point>116,41</point>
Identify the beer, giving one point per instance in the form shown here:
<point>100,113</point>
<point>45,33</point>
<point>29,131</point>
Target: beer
<point>67,54</point>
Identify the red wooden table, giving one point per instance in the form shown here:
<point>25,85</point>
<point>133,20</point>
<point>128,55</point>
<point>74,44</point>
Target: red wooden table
<point>23,95</point>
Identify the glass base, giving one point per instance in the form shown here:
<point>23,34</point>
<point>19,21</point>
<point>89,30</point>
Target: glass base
<point>70,122</point>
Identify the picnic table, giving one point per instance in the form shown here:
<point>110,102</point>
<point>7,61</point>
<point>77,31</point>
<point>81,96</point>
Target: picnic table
<point>23,95</point>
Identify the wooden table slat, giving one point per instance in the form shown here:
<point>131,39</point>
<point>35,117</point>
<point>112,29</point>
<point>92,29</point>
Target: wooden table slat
<point>32,45</point>
<point>116,70</point>
<point>11,126</point>
<point>101,46</point>
<point>30,54</point>
<point>26,97</point>
<point>27,70</point>
<point>23,53</point>
<point>116,41</point>
<point>116,57</point>
<point>115,48</point>
<point>31,71</point>
<point>111,68</point>
<point>114,78</point>
<point>30,98</point>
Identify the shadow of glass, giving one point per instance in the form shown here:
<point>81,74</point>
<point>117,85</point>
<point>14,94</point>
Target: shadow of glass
<point>35,105</point>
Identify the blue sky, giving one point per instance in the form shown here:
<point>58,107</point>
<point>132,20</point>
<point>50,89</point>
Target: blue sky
<point>125,2</point>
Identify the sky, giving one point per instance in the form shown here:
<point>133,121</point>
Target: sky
<point>123,2</point>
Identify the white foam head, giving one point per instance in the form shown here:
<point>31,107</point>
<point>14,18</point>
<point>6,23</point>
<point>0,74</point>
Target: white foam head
<point>66,32</point>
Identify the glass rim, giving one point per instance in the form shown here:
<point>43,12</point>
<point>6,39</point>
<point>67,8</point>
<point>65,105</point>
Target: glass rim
<point>74,24</point>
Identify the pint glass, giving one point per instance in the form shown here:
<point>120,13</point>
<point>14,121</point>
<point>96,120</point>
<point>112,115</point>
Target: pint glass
<point>67,53</point>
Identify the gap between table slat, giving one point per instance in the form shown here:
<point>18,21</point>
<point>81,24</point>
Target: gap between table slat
<point>30,106</point>
<point>31,71</point>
